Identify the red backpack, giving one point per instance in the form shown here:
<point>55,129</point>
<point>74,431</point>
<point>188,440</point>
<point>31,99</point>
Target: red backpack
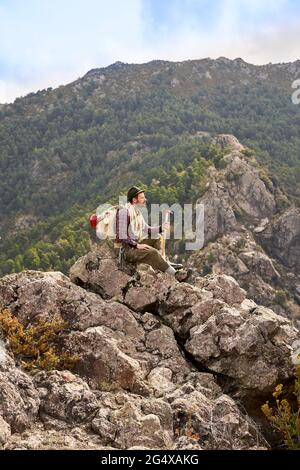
<point>93,221</point>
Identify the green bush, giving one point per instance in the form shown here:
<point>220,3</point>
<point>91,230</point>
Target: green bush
<point>280,298</point>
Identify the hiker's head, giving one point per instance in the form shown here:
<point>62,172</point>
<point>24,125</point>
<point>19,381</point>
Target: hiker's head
<point>136,196</point>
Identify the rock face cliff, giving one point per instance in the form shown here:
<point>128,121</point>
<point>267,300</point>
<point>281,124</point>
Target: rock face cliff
<point>162,364</point>
<point>252,231</point>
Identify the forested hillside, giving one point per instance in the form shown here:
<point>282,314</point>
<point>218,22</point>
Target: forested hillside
<point>66,150</point>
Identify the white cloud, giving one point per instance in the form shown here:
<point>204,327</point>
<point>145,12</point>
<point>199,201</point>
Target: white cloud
<point>259,32</point>
<point>10,89</point>
<point>39,53</point>
<point>73,40</point>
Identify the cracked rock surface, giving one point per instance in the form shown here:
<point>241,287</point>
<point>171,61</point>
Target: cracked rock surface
<point>153,357</point>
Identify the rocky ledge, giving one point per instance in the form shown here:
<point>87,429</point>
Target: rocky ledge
<point>162,364</point>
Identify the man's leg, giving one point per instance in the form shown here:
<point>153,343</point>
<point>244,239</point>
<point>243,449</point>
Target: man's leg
<point>151,257</point>
<point>155,242</point>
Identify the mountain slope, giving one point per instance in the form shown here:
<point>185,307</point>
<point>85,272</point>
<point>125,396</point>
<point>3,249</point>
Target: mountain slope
<point>66,150</point>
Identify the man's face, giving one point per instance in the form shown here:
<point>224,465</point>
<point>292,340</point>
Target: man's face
<point>140,199</point>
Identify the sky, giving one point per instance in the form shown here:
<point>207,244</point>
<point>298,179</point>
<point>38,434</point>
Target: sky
<point>47,43</point>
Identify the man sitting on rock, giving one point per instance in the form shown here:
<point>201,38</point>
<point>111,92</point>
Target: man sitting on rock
<point>131,229</point>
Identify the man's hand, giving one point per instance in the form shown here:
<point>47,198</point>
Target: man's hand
<point>143,246</point>
<point>166,226</point>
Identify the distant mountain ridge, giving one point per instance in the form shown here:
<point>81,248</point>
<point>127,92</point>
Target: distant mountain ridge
<point>65,150</point>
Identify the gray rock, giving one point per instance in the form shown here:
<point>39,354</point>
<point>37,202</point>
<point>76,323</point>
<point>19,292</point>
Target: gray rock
<point>261,264</point>
<point>219,216</point>
<point>19,401</point>
<point>5,431</point>
<point>223,287</point>
<point>237,254</point>
<point>65,396</point>
<point>137,383</point>
<point>253,348</point>
<point>246,189</point>
<point>117,347</point>
<point>281,238</point>
<point>143,294</point>
<point>228,142</point>
<point>212,421</point>
<point>130,420</point>
<point>98,272</point>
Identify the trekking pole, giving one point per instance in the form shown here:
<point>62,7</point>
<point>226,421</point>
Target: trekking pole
<point>163,241</point>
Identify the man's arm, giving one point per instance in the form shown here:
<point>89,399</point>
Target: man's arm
<point>122,222</point>
<point>152,229</point>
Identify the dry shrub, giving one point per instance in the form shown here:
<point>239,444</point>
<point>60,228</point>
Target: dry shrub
<point>35,347</point>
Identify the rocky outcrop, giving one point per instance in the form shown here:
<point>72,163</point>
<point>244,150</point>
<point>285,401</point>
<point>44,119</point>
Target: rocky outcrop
<point>116,349</point>
<point>99,274</point>
<point>19,403</point>
<point>264,278</point>
<point>161,363</point>
<point>251,231</point>
<point>219,215</point>
<point>231,335</point>
<point>250,194</point>
<point>197,415</point>
<point>228,142</point>
<point>281,238</point>
<point>239,191</point>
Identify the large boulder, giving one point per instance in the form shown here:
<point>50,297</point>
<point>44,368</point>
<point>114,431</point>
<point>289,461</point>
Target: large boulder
<point>139,381</point>
<point>203,412</point>
<point>232,336</point>
<point>19,402</point>
<point>248,191</point>
<point>237,254</point>
<point>143,294</point>
<point>127,421</point>
<point>219,215</point>
<point>98,272</point>
<point>116,347</point>
<point>64,396</point>
<point>228,142</point>
<point>239,192</point>
<point>34,295</point>
<point>252,348</point>
<point>281,238</point>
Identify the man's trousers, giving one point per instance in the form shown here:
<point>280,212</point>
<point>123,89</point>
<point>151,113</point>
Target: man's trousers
<point>152,256</point>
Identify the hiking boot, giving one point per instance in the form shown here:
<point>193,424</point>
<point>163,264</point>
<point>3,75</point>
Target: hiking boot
<point>183,275</point>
